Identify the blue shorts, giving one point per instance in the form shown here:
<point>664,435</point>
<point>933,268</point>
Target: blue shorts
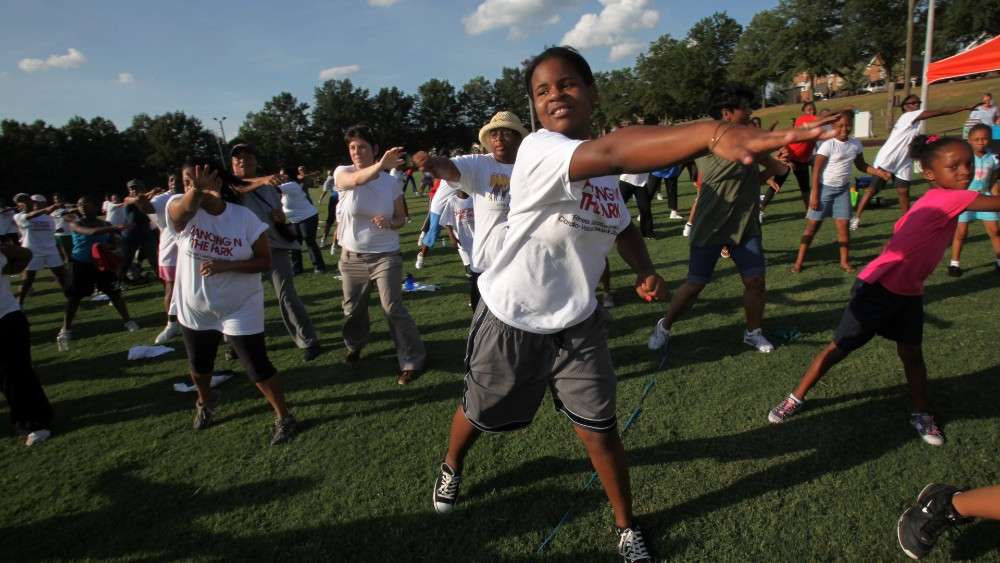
<point>834,201</point>
<point>969,216</point>
<point>748,256</point>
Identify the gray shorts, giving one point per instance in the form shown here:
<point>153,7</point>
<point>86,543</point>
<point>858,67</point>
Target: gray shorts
<point>508,370</point>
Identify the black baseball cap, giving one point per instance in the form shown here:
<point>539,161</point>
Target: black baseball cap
<point>241,147</point>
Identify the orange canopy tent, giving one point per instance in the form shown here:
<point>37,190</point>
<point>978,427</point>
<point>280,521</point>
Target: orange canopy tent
<point>984,58</point>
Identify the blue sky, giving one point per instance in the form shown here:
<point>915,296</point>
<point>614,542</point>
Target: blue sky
<point>117,58</point>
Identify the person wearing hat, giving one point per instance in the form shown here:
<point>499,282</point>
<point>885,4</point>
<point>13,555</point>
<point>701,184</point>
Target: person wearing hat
<point>264,200</point>
<point>371,216</point>
<point>38,235</point>
<point>137,233</point>
<point>486,178</point>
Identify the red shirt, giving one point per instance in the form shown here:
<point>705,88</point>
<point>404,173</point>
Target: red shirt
<point>802,152</point>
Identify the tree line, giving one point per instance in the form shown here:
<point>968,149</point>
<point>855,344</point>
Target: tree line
<point>670,81</point>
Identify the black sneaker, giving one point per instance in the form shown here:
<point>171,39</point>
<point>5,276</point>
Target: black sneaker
<point>352,356</point>
<point>284,427</point>
<point>446,489</point>
<point>205,412</point>
<point>955,271</point>
<point>310,353</point>
<point>922,523</point>
<point>632,546</point>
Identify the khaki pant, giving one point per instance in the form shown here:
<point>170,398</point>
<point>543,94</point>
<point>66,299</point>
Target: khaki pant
<point>386,271</point>
<point>293,311</point>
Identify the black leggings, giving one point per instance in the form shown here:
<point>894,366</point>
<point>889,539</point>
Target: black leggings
<point>801,172</point>
<point>642,202</point>
<point>202,345</point>
<point>29,407</point>
<point>474,289</point>
<point>307,233</point>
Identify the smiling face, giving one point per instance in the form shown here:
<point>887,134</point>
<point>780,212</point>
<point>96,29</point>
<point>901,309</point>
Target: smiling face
<point>951,166</point>
<point>563,101</point>
<point>244,164</point>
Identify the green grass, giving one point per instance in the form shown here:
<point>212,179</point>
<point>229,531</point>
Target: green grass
<point>125,478</point>
<point>961,93</point>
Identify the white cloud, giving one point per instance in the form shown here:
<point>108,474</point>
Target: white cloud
<point>381,3</point>
<point>610,28</point>
<point>125,78</point>
<point>514,15</point>
<point>72,59</point>
<point>335,72</point>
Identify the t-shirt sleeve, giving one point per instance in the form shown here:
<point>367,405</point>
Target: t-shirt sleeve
<point>908,118</point>
<point>21,219</point>
<point>338,173</point>
<point>544,159</point>
<point>166,214</point>
<point>447,214</point>
<point>825,148</point>
<point>960,200</point>
<point>159,203</point>
<point>254,226</point>
<point>470,167</point>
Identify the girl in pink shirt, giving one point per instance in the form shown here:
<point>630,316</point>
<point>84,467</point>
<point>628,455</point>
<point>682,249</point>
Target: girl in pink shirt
<point>887,298</point>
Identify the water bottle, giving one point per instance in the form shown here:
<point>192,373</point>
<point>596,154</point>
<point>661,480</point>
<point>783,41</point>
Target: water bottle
<point>409,284</point>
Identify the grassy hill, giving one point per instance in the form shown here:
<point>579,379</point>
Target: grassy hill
<point>947,94</point>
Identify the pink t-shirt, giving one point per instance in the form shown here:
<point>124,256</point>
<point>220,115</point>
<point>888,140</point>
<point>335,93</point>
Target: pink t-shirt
<point>918,241</point>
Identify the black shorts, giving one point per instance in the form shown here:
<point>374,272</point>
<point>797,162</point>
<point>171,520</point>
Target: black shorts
<point>873,310</point>
<point>84,277</point>
<point>202,345</point>
<point>878,183</point>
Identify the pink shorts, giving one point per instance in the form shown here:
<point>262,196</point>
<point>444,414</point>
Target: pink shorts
<point>168,273</point>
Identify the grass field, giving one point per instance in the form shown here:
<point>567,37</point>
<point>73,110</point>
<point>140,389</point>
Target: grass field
<point>125,478</point>
<point>961,93</point>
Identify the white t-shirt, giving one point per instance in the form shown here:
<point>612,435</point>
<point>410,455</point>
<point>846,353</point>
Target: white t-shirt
<point>230,302</point>
<point>635,179</point>
<point>8,303</point>
<point>59,216</point>
<point>558,234</point>
<point>167,255</point>
<point>459,214</point>
<point>294,202</point>
<point>7,224</point>
<point>894,156</point>
<point>446,190</point>
<point>114,213</point>
<point>358,205</point>
<point>986,116</point>
<point>37,234</point>
<point>840,158</point>
<point>488,182</point>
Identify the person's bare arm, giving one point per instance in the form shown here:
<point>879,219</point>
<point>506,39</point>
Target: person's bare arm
<point>350,179</point>
<point>861,164</point>
<point>819,164</point>
<point>643,148</point>
<point>42,211</point>
<point>932,113</point>
<point>648,284</point>
<point>984,203</point>
<point>17,259</point>
<point>451,236</point>
<point>772,167</point>
<point>141,202</point>
<point>258,264</point>
<point>88,231</point>
<point>438,166</point>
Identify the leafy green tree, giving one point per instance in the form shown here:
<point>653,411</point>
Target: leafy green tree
<point>437,116</point>
<point>337,105</point>
<point>618,101</point>
<point>754,63</point>
<point>392,117</point>
<point>510,93</point>
<point>960,22</point>
<point>168,139</point>
<point>280,131</point>
<point>478,103</point>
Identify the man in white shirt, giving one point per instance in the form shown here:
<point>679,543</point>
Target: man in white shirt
<point>38,235</point>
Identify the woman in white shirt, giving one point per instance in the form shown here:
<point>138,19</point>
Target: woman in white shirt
<point>304,219</point>
<point>370,216</point>
<point>222,249</point>
<point>539,325</point>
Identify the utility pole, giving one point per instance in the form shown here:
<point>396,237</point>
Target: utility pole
<point>222,130</point>
<point>928,44</point>
<point>909,48</point>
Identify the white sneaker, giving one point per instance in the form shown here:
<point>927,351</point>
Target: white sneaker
<point>675,215</point>
<point>756,339</point>
<point>760,217</point>
<point>609,301</point>
<point>659,197</point>
<point>855,223</point>
<point>131,326</point>
<point>420,239</point>
<point>37,437</point>
<point>660,335</point>
<point>168,333</point>
<point>420,262</point>
<point>63,339</point>
<point>687,229</point>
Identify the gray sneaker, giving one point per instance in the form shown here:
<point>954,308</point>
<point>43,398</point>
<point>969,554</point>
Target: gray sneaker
<point>205,412</point>
<point>284,427</point>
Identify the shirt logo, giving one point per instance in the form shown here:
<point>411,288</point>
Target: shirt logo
<point>602,202</point>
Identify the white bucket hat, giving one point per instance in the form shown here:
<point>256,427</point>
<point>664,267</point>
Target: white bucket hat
<point>502,120</point>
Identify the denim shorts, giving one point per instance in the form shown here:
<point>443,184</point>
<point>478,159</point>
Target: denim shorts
<point>834,201</point>
<point>748,256</point>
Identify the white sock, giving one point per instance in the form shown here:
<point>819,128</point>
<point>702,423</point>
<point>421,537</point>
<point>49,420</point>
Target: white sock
<point>797,401</point>
<point>955,263</point>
